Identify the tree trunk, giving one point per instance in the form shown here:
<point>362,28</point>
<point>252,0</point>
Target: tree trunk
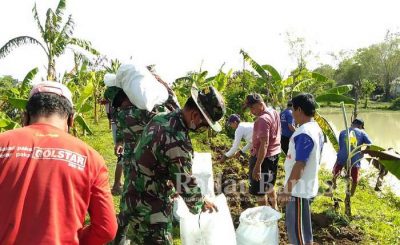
<point>347,201</point>
<point>366,102</point>
<point>357,98</point>
<point>51,70</point>
<point>355,112</point>
<point>387,87</point>
<point>96,119</point>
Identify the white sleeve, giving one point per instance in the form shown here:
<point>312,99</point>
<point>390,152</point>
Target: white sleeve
<point>246,147</point>
<point>236,143</point>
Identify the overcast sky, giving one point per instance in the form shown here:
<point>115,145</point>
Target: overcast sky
<point>180,35</point>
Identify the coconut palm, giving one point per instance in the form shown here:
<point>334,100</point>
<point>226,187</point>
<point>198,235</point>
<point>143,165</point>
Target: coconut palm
<point>56,37</point>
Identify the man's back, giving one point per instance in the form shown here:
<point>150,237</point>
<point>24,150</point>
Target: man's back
<point>357,138</point>
<point>286,120</point>
<point>48,182</point>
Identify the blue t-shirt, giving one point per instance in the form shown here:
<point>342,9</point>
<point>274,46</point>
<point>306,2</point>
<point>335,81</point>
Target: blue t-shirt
<point>286,120</point>
<point>304,145</point>
<point>357,138</point>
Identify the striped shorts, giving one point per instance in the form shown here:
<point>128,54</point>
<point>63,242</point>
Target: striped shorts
<point>298,221</point>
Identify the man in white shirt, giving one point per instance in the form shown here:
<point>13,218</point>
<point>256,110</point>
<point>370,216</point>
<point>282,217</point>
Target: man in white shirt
<point>301,171</point>
<point>243,130</point>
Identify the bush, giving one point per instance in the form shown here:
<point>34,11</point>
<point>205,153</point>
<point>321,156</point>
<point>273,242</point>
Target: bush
<point>395,105</point>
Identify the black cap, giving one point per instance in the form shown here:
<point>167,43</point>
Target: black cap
<point>358,122</point>
<point>252,99</point>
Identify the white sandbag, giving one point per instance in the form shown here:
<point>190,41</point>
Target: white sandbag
<point>110,80</point>
<point>202,170</point>
<point>258,226</point>
<point>217,227</point>
<point>141,87</point>
<point>206,228</point>
<point>189,223</point>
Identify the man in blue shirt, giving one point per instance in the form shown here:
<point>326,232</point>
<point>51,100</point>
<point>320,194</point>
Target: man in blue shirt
<point>357,138</point>
<point>287,125</point>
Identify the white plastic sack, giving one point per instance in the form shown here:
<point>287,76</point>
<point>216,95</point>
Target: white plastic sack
<point>141,87</point>
<point>206,228</point>
<point>217,227</point>
<point>258,226</point>
<point>110,80</point>
<point>202,170</point>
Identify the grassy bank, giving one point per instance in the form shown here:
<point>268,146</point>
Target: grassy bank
<point>376,217</point>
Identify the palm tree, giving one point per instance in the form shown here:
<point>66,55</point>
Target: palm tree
<point>56,37</point>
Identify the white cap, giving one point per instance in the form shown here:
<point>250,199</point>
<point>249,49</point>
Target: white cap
<point>52,87</point>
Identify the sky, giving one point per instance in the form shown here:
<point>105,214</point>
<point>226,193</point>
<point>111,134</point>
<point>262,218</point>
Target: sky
<point>185,35</point>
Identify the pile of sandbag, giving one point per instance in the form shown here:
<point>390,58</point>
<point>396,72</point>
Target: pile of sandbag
<point>141,87</point>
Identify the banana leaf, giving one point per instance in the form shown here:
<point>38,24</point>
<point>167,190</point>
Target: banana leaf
<point>18,103</point>
<point>344,89</point>
<point>327,130</point>
<point>274,73</point>
<point>319,77</point>
<point>81,121</point>
<point>388,158</point>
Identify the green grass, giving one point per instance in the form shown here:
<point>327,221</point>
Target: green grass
<point>372,105</point>
<point>376,215</point>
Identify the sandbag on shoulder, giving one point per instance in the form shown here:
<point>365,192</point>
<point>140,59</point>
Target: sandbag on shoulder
<point>141,87</point>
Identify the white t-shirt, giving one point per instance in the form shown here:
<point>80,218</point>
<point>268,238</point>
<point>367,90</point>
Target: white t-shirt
<point>243,131</point>
<point>307,186</point>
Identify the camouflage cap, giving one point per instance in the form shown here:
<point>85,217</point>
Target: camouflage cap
<point>211,104</point>
<point>111,92</point>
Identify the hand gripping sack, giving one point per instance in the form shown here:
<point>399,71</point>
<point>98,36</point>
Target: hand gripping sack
<point>141,87</point>
<point>258,226</point>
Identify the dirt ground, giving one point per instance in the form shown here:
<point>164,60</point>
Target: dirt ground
<point>230,173</point>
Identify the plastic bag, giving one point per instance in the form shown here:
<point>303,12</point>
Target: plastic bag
<point>206,228</point>
<point>258,226</point>
<point>202,170</point>
<point>217,227</point>
<point>110,80</point>
<point>141,87</point>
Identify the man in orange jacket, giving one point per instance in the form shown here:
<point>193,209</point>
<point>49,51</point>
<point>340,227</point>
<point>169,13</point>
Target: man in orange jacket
<point>50,180</point>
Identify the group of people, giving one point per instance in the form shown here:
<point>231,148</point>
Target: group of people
<point>270,134</point>
<point>301,141</point>
<point>50,180</point>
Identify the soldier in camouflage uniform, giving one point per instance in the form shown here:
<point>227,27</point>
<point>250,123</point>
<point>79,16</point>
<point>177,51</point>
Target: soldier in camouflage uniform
<point>109,94</point>
<point>161,168</point>
<point>130,124</point>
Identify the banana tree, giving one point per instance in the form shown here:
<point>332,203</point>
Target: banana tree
<point>6,123</point>
<point>182,85</point>
<point>81,98</point>
<point>17,98</point>
<point>56,37</point>
<point>280,90</point>
<point>389,159</point>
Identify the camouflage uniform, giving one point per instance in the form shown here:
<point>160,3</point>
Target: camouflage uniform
<point>162,160</point>
<point>130,124</point>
